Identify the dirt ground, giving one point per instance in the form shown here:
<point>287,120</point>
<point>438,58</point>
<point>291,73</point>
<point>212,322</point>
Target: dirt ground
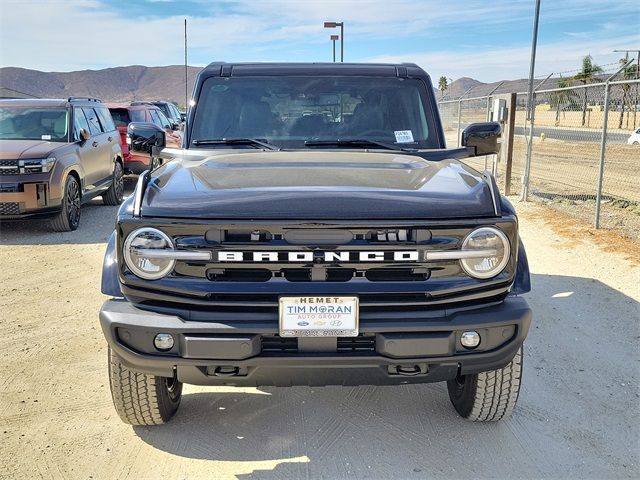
<point>564,175</point>
<point>578,415</point>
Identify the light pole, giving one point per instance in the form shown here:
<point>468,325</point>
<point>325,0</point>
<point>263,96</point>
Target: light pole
<point>531,108</point>
<point>333,40</point>
<point>341,25</point>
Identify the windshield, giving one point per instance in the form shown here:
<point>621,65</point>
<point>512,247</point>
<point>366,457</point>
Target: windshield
<point>29,123</point>
<point>289,111</point>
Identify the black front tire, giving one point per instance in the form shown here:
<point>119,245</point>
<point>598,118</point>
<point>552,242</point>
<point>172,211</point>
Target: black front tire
<point>142,399</point>
<point>68,218</point>
<point>487,396</point>
<point>114,195</point>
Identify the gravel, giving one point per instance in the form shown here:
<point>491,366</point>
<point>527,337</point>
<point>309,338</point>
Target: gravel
<point>577,416</point>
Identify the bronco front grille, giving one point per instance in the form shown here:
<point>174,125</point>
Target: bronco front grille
<point>9,208</point>
<point>257,268</point>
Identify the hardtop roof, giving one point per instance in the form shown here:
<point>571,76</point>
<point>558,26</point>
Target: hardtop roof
<point>338,69</point>
<point>46,102</point>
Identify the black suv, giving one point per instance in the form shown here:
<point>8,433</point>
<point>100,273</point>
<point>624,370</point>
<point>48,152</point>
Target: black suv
<point>316,231</point>
<point>171,112</point>
<point>56,155</point>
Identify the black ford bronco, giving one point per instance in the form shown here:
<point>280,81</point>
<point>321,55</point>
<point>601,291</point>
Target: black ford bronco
<point>315,230</point>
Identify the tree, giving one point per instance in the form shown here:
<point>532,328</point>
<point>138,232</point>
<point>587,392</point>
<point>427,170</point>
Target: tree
<point>443,85</point>
<point>628,73</point>
<point>562,97</point>
<point>586,75</point>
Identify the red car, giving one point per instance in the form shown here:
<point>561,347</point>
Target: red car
<point>123,114</point>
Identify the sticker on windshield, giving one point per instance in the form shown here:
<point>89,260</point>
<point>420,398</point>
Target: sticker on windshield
<point>404,136</point>
<point>45,137</point>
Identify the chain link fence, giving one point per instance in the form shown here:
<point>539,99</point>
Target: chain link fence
<point>571,142</point>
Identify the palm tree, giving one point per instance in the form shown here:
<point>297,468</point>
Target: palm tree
<point>562,97</point>
<point>628,72</point>
<point>443,85</point>
<point>586,74</point>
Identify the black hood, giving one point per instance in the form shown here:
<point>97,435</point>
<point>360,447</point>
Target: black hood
<point>316,185</point>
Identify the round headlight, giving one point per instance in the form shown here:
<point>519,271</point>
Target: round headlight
<point>147,267</point>
<point>487,239</point>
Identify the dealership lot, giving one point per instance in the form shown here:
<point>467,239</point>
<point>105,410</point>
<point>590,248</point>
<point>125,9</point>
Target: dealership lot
<point>577,415</point>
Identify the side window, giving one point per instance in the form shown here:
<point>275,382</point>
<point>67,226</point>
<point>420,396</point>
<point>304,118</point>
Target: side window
<point>154,117</point>
<point>105,119</point>
<point>92,118</point>
<point>164,121</point>
<point>176,112</point>
<point>79,122</point>
<point>159,118</point>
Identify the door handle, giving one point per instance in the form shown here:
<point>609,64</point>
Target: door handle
<point>110,138</point>
<point>95,144</point>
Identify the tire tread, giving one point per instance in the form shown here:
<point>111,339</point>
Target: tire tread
<point>497,392</point>
<point>136,395</point>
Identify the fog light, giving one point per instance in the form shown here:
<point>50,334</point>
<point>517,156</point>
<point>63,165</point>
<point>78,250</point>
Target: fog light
<point>163,341</point>
<point>470,339</point>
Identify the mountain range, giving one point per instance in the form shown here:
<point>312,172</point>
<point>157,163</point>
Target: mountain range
<point>137,82</point>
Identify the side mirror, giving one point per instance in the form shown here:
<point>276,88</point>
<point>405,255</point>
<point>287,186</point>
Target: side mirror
<point>175,126</point>
<point>483,137</point>
<point>84,134</point>
<point>145,139</point>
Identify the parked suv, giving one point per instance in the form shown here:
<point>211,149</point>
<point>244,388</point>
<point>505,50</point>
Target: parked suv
<point>56,155</point>
<point>316,230</point>
<point>171,111</point>
<point>145,112</point>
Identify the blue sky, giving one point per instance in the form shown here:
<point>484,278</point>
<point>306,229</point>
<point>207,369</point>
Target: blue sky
<point>480,39</point>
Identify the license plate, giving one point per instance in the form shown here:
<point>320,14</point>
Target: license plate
<point>319,316</point>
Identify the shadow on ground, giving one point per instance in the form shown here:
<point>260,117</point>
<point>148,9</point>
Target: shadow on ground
<point>575,417</point>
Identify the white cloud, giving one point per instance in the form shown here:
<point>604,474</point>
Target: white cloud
<point>491,65</point>
<point>79,34</point>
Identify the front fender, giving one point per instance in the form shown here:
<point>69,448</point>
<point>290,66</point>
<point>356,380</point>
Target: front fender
<point>110,284</point>
<point>116,150</point>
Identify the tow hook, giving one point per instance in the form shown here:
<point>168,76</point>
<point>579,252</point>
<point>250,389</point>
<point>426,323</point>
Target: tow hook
<point>408,370</point>
<point>226,371</point>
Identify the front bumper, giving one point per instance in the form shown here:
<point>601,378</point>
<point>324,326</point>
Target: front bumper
<point>20,200</point>
<point>236,352</point>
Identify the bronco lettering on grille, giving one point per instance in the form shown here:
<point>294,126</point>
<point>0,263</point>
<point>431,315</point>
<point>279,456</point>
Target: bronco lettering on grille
<point>318,256</point>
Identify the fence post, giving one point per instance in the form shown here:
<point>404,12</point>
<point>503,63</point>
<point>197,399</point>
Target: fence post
<point>603,142</point>
<point>603,146</point>
<point>511,122</point>
<point>459,118</point>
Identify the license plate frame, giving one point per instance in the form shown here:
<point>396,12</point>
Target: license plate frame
<point>322,316</point>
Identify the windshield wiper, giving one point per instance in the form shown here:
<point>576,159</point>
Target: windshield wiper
<point>357,143</point>
<point>238,141</point>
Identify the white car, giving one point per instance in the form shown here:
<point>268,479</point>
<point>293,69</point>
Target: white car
<point>634,139</point>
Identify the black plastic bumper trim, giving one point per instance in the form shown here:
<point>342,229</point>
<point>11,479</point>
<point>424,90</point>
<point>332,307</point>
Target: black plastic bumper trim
<point>339,369</point>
